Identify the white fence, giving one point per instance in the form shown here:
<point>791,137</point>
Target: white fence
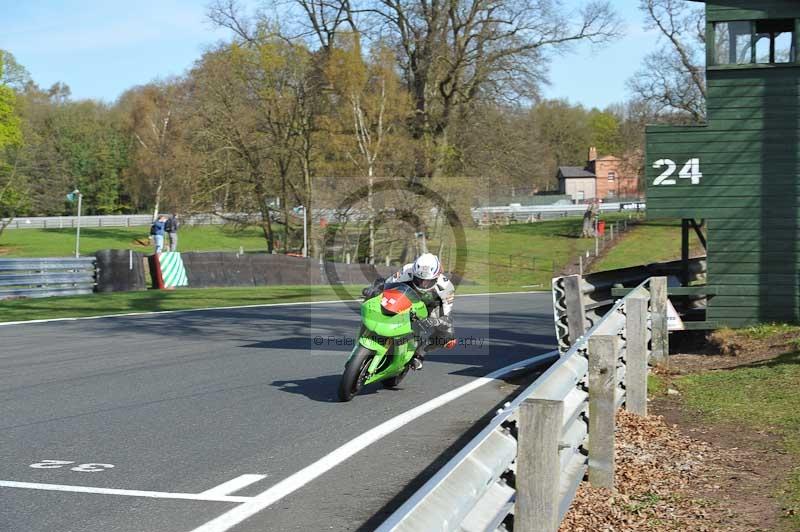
<point>481,215</point>
<point>522,213</point>
<point>123,220</point>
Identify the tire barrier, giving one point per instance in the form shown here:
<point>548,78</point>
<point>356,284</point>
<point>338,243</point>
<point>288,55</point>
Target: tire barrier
<point>581,302</point>
<point>263,269</point>
<point>119,270</point>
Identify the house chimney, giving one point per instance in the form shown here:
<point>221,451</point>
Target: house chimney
<point>592,154</point>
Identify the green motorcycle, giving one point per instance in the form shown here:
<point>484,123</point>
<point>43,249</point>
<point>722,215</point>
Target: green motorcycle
<point>387,340</point>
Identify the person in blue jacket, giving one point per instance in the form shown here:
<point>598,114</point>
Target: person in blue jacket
<point>157,231</point>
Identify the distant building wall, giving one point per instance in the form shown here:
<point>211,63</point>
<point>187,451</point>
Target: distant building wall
<point>580,188</point>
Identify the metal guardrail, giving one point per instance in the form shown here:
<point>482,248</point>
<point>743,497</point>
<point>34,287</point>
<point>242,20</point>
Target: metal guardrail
<point>524,213</point>
<point>523,470</point>
<point>47,277</point>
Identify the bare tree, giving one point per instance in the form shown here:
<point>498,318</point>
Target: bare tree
<point>452,53</point>
<point>153,121</point>
<point>672,79</point>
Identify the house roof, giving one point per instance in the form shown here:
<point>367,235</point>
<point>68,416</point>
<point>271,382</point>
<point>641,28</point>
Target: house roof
<point>573,171</point>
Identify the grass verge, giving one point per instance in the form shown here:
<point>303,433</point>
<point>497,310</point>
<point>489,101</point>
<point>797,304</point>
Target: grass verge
<point>61,242</point>
<point>181,299</point>
<point>650,241</point>
<point>763,396</point>
<point>160,300</point>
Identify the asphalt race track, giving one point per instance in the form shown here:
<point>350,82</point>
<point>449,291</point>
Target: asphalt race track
<point>166,422</point>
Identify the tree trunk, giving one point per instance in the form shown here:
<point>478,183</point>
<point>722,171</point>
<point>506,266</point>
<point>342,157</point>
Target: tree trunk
<point>159,186</point>
<point>4,224</point>
<point>266,219</point>
<point>285,200</point>
<point>266,226</point>
<point>371,252</point>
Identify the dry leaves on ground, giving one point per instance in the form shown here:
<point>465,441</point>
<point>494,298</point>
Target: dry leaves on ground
<point>657,471</point>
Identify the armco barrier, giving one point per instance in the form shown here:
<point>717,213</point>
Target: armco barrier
<point>46,277</point>
<point>523,470</point>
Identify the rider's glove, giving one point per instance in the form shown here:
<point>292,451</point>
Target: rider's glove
<point>375,289</point>
<point>431,322</point>
<point>424,328</point>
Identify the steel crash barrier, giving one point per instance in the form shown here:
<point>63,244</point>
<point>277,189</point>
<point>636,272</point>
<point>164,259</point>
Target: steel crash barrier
<point>46,277</point>
<point>523,470</point>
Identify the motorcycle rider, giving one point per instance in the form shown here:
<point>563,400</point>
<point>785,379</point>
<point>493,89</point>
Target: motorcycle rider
<point>426,277</point>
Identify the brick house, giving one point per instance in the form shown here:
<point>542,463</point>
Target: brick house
<point>606,178</point>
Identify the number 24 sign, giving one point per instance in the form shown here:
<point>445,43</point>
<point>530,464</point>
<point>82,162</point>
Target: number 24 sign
<point>690,170</point>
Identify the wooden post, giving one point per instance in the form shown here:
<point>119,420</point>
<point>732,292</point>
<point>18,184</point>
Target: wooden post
<point>538,466</point>
<point>658,313</point>
<point>636,354</point>
<point>685,251</point>
<point>576,314</point>
<point>602,408</point>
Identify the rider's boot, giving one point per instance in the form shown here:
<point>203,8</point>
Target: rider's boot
<point>416,360</point>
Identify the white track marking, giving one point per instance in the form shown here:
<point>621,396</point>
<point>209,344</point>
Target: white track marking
<point>234,485</point>
<point>263,305</point>
<point>296,481</point>
<point>129,493</point>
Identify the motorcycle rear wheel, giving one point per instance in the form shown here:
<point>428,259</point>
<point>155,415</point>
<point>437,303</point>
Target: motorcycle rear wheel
<point>355,373</point>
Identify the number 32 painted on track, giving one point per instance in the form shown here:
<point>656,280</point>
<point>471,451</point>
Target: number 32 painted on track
<point>691,170</point>
<point>80,468</point>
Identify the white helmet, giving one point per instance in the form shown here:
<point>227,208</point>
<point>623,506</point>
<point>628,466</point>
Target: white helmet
<point>426,271</point>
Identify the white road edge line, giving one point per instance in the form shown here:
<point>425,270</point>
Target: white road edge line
<point>233,485</point>
<point>296,481</point>
<point>129,493</point>
<point>206,309</point>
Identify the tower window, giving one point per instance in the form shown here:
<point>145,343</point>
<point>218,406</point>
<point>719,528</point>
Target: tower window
<point>733,42</point>
<point>775,41</point>
<point>746,42</point>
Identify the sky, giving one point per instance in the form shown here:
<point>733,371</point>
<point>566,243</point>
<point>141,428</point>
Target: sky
<point>100,48</point>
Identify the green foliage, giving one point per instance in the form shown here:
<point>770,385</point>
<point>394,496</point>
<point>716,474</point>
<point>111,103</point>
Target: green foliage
<point>10,132</point>
<point>765,330</point>
<point>605,133</point>
<point>564,131</point>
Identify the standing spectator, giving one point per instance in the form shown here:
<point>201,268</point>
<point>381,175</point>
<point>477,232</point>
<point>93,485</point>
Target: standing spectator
<point>157,232</point>
<point>595,215</point>
<point>171,227</point>
<point>587,222</point>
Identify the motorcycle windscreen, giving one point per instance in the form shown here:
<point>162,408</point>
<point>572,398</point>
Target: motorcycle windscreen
<point>379,322</point>
<point>395,301</point>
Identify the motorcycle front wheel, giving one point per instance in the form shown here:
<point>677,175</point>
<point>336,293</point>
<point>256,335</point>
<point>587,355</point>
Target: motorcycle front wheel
<point>394,382</point>
<point>355,373</point>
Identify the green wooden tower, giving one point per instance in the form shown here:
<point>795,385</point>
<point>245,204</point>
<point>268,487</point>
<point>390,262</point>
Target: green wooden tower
<point>740,172</point>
